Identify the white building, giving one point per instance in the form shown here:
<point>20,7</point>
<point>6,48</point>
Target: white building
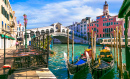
<point>80,29</point>
<point>83,26</point>
<point>20,31</point>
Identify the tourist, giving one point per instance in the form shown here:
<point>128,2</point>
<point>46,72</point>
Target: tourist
<point>20,43</point>
<point>17,44</point>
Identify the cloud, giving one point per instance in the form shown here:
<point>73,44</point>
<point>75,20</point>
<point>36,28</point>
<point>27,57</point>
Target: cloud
<point>64,12</point>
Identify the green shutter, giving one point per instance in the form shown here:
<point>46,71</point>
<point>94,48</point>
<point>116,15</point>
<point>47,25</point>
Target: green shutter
<point>1,9</point>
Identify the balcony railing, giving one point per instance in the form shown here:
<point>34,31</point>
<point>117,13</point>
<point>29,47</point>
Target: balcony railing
<point>12,24</point>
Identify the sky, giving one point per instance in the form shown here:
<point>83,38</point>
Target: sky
<point>41,13</point>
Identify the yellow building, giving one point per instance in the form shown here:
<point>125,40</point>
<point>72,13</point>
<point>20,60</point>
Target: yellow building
<point>8,24</point>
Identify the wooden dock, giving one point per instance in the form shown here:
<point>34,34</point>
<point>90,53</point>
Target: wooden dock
<point>42,73</point>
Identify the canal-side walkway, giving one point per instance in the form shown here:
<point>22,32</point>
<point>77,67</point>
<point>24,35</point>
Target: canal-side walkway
<point>39,73</point>
<point>8,53</point>
<point>42,73</point>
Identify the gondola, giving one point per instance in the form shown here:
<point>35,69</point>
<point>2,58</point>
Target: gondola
<point>104,64</point>
<point>81,63</point>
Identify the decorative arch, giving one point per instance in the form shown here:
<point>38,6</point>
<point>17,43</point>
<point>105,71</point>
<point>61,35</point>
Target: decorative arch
<point>47,30</point>
<point>51,30</point>
<point>37,33</point>
<point>63,30</point>
<point>42,32</point>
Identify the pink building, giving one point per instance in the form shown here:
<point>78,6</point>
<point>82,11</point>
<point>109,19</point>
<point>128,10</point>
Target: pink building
<point>106,24</point>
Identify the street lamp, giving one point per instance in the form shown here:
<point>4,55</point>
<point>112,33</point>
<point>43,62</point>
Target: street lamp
<point>25,23</point>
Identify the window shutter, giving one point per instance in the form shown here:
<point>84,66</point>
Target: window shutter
<point>1,9</point>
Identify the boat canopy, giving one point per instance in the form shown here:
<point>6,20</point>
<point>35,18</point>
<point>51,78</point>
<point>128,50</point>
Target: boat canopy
<point>88,49</point>
<point>81,61</point>
<point>105,50</point>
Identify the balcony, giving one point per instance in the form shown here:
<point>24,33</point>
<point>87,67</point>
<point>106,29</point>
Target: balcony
<point>12,24</point>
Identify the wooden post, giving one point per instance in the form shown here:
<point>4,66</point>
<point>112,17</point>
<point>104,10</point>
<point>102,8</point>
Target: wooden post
<point>67,45</point>
<point>120,54</point>
<point>5,48</point>
<point>114,46</point>
<point>117,45</point>
<point>111,42</point>
<point>73,47</point>
<point>43,41</point>
<point>48,48</point>
<point>92,46</point>
<point>68,51</point>
<point>39,43</point>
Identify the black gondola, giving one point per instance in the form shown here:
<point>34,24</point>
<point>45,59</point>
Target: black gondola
<point>81,63</point>
<point>104,64</point>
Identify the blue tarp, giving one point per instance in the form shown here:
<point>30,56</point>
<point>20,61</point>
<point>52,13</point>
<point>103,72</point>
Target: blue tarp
<point>80,62</point>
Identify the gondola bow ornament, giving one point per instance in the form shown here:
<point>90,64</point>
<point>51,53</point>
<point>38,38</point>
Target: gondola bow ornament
<point>65,58</point>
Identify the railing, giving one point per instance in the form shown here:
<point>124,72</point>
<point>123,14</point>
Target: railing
<point>34,57</point>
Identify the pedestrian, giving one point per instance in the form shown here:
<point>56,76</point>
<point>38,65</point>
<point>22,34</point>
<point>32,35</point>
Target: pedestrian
<point>17,44</point>
<point>20,43</point>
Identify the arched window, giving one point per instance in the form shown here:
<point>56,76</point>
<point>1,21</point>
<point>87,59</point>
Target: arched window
<point>51,30</point>
<point>31,33</point>
<point>37,33</point>
<point>42,32</point>
<point>63,30</point>
<point>47,30</point>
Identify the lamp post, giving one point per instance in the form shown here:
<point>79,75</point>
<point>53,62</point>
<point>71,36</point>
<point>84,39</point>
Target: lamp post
<point>25,23</point>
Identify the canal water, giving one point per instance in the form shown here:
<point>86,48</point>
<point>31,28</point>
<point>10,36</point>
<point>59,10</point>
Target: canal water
<point>58,67</point>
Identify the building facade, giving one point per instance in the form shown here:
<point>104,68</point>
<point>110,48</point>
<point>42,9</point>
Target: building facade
<point>106,24</point>
<point>80,29</point>
<point>103,26</point>
<point>7,24</point>
<point>20,31</point>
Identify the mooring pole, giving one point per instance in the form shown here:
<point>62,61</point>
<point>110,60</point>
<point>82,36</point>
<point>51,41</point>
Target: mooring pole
<point>68,52</point>
<point>39,43</point>
<point>92,46</point>
<point>72,47</point>
<point>35,42</point>
<point>4,57</point>
<point>117,46</point>
<point>4,49</point>
<point>43,41</point>
<point>120,53</point>
<point>111,43</point>
<point>114,46</point>
<point>47,48</point>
